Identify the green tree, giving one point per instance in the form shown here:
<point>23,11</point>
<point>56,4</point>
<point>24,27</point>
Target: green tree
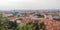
<point>42,26</point>
<point>30,26</point>
<point>36,25</point>
<point>40,16</point>
<point>22,26</point>
<point>2,22</point>
<point>27,26</point>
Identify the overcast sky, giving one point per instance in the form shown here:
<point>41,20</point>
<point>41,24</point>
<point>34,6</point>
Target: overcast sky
<point>29,4</point>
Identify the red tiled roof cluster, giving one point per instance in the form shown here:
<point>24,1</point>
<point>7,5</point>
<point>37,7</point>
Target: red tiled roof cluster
<point>50,24</point>
<point>13,18</point>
